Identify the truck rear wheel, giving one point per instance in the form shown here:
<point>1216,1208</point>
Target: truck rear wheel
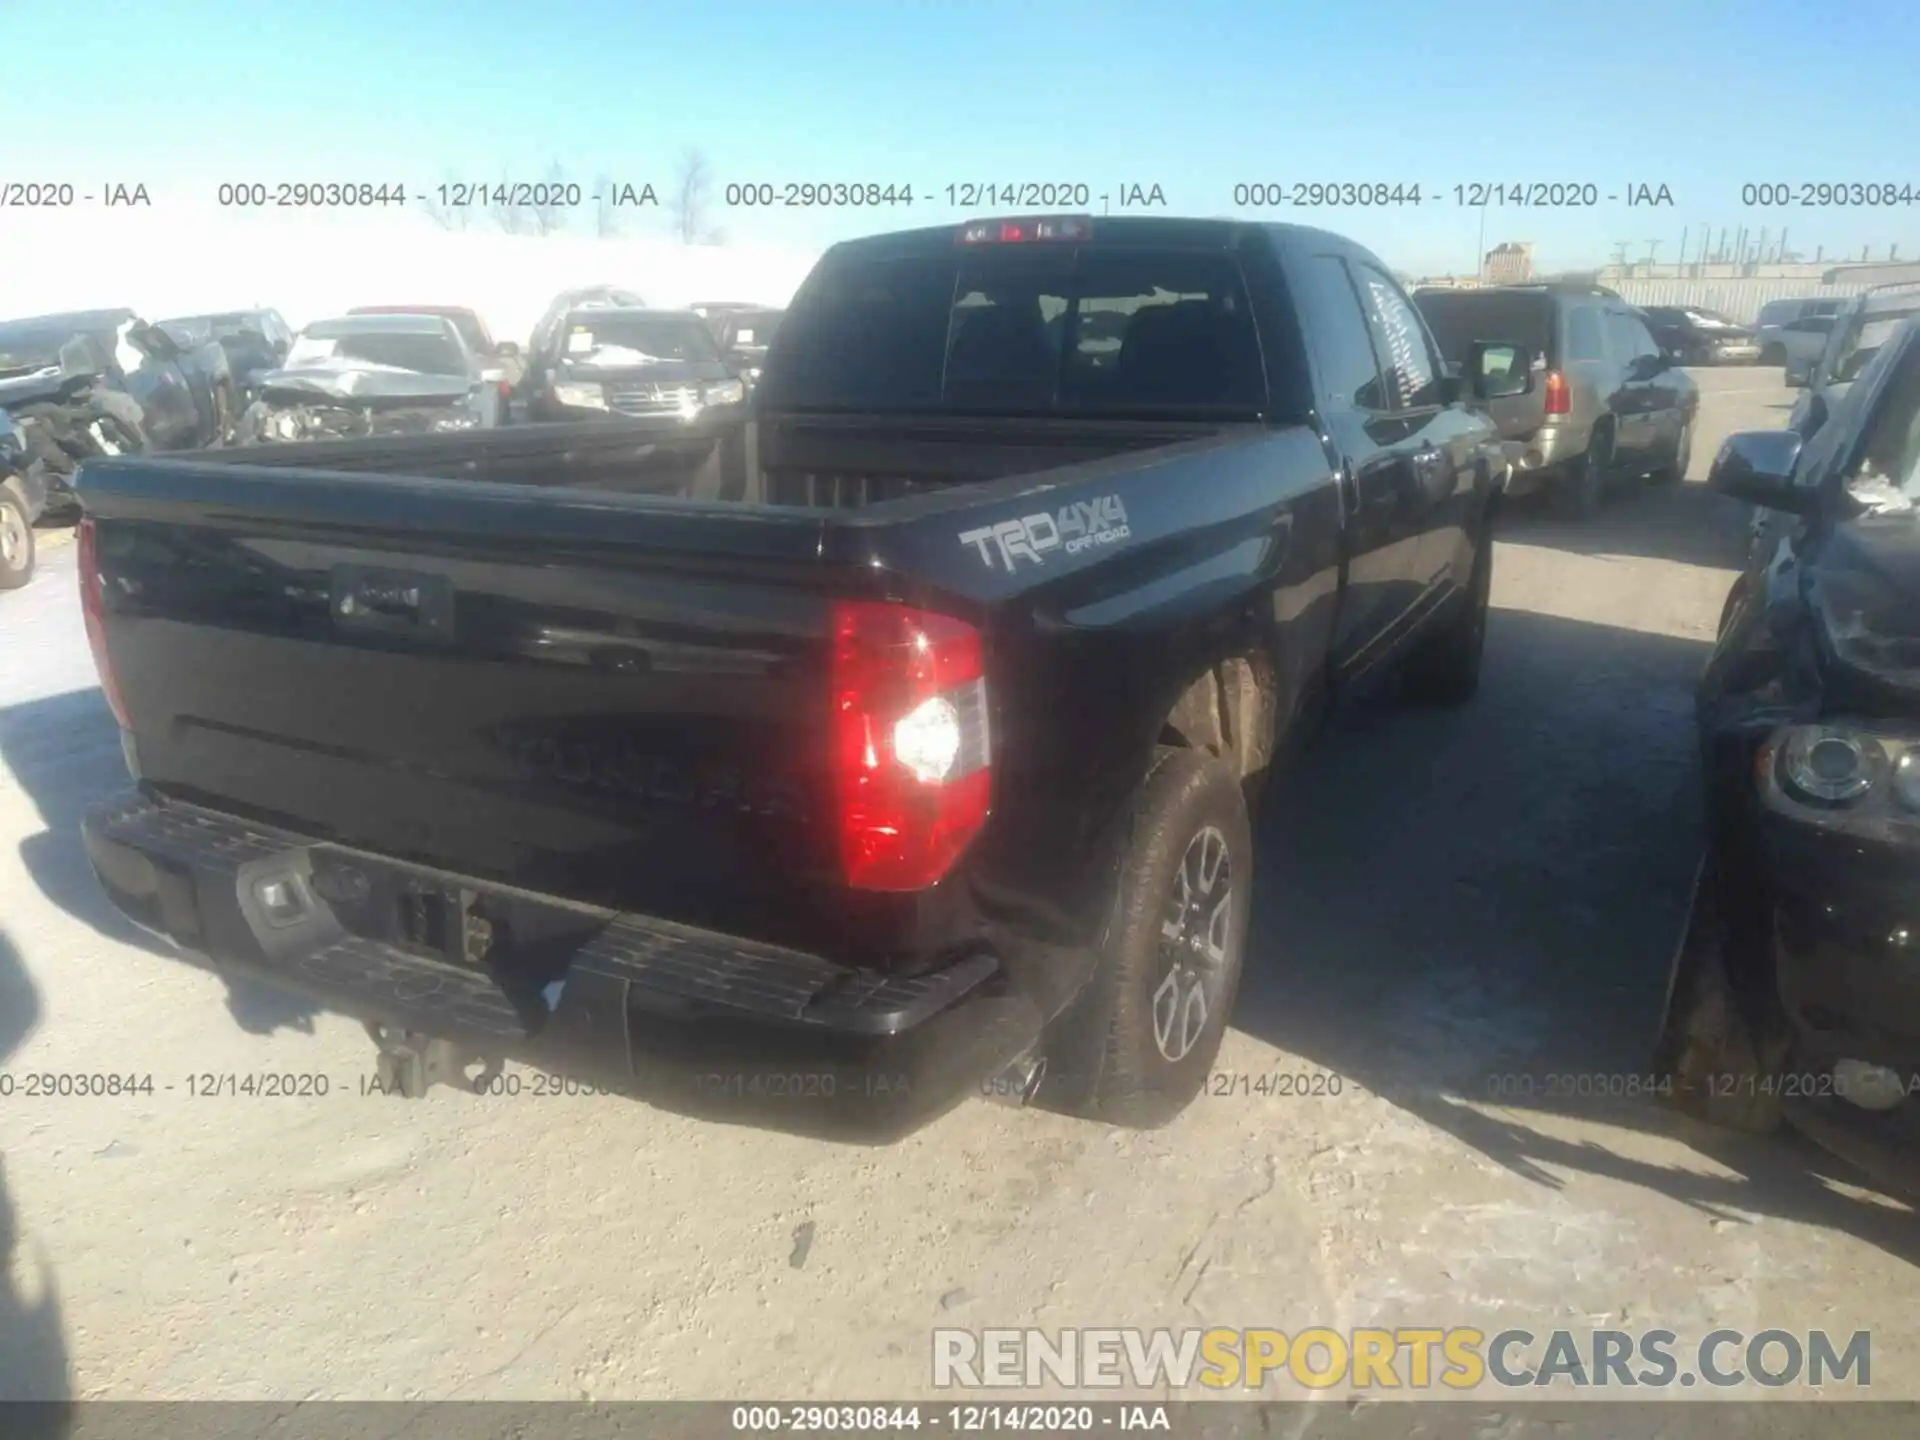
<point>1136,1046</point>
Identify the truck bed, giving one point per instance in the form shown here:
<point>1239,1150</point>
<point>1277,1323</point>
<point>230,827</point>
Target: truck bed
<point>555,657</point>
<point>825,462</point>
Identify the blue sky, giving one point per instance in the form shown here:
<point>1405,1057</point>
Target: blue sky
<point>1196,96</point>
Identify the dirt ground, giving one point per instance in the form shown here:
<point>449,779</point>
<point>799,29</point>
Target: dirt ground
<point>1443,899</point>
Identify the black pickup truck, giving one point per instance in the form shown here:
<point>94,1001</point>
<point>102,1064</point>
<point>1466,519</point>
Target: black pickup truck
<point>819,768</point>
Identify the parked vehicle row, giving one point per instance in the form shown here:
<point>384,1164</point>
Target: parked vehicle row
<point>901,731</point>
<point>106,382</point>
<point>1608,404</point>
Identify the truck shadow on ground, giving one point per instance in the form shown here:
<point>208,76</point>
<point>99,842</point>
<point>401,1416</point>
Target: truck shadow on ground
<point>64,753</point>
<point>33,1351</point>
<point>1456,907</point>
<point>1687,524</point>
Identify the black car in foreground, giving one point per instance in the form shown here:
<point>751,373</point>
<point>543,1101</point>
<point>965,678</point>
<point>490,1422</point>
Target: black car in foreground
<point>1797,993</point>
<point>606,361</point>
<point>1697,336</point>
<point>901,752</point>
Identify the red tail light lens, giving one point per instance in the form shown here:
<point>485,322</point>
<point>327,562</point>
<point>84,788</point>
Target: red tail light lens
<point>1559,398</point>
<point>1033,228</point>
<point>912,757</point>
<point>93,611</point>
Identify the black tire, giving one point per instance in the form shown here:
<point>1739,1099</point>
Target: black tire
<point>1674,467</point>
<point>1580,490</point>
<point>1112,1055</point>
<point>17,550</point>
<point>1445,670</point>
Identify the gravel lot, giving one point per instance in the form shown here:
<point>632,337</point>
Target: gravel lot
<point>1444,898</point>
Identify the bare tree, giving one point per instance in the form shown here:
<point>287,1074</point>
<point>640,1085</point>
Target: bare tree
<point>692,199</point>
<point>606,215</point>
<point>443,215</point>
<point>547,212</point>
<point>511,218</point>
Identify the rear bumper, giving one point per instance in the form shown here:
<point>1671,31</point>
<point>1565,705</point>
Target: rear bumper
<point>699,1023</point>
<point>1540,455</point>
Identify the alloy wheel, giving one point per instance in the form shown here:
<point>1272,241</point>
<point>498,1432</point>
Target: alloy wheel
<point>1194,935</point>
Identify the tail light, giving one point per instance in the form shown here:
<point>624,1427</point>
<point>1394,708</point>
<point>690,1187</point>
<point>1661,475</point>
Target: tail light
<point>912,759</point>
<point>1559,398</point>
<point>93,611</point>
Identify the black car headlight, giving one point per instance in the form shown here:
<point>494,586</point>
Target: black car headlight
<point>1857,778</point>
<point>1832,765</point>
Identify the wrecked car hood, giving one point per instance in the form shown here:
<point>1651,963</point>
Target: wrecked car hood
<point>1865,594</point>
<point>361,385</point>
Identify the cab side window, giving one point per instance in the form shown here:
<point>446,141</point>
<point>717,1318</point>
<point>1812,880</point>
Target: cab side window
<point>1342,339</point>
<point>1413,372</point>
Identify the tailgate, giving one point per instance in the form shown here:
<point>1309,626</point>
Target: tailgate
<point>620,704</point>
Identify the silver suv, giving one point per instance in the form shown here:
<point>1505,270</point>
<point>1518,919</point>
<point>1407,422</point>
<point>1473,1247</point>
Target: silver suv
<point>1607,402</point>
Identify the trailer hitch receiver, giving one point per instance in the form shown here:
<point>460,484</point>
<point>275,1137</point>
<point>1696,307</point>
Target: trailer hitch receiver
<point>408,1063</point>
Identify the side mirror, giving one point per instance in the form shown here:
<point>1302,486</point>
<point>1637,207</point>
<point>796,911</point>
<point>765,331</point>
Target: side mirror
<point>1499,369</point>
<point>1645,367</point>
<point>1757,466</point>
<point>507,350</point>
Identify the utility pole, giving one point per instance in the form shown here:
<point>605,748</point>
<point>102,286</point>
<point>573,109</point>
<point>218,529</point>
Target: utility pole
<point>1653,248</point>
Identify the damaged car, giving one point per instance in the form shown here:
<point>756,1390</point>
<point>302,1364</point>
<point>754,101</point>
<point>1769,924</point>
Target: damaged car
<point>374,375</point>
<point>603,361</point>
<point>1796,995</point>
<point>55,384</point>
<point>500,360</point>
<point>183,392</point>
<point>256,342</point>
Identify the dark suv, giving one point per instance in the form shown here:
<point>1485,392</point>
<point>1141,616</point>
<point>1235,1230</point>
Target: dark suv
<point>1608,402</point>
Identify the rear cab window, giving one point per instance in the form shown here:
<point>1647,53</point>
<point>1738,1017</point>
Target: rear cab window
<point>1412,371</point>
<point>1026,329</point>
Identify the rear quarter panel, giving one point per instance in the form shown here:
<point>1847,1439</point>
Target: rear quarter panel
<point>1103,596</point>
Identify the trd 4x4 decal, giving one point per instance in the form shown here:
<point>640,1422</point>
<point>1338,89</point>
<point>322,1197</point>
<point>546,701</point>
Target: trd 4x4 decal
<point>1073,528</point>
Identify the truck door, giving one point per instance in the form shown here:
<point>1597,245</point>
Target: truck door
<point>1380,406</point>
